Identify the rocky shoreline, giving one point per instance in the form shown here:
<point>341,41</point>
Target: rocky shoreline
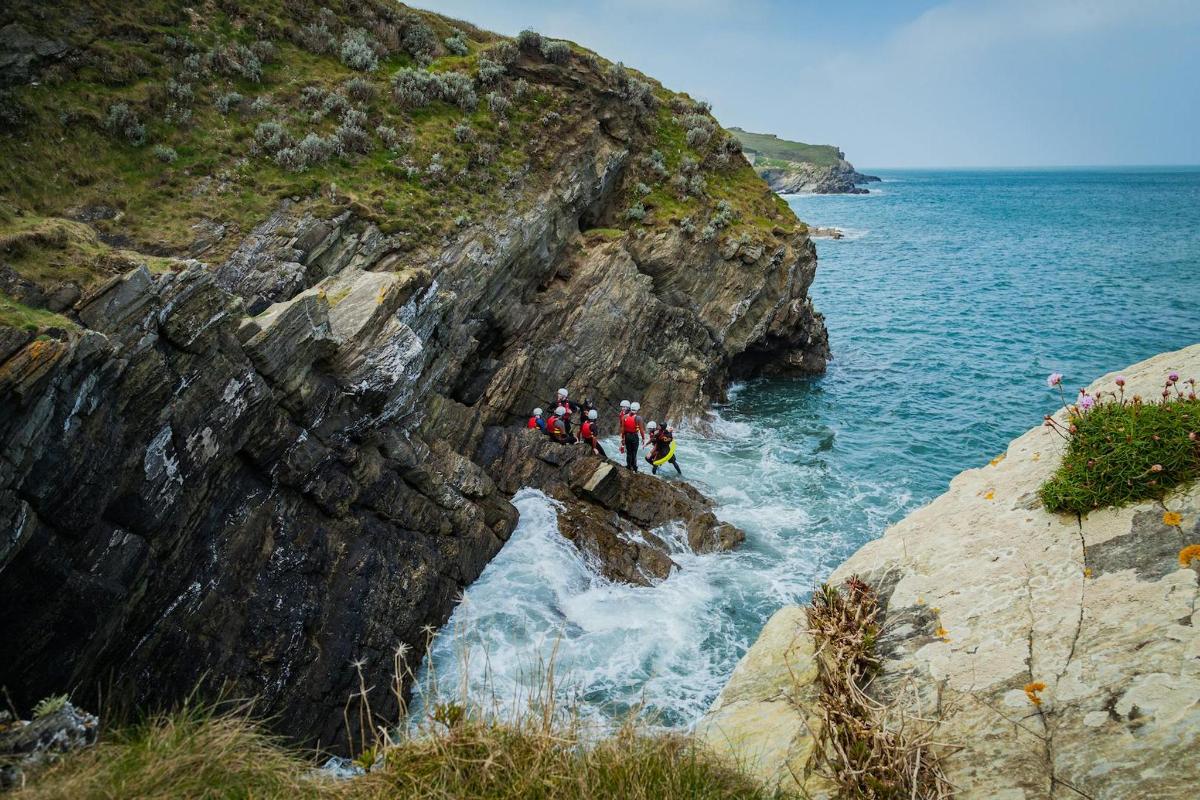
<point>252,474</point>
<point>1056,655</point>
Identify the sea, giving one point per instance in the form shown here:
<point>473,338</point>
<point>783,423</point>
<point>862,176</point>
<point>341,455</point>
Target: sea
<point>952,296</point>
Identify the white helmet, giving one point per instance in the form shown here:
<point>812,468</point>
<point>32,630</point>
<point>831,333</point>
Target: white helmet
<point>592,414</point>
<point>624,404</point>
<point>635,407</point>
<point>537,412</point>
<point>651,425</point>
<point>558,412</point>
<point>562,392</point>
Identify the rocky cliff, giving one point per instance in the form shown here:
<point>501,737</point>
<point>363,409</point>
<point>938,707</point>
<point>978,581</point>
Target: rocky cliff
<point>798,168</point>
<point>1059,656</point>
<point>257,411</point>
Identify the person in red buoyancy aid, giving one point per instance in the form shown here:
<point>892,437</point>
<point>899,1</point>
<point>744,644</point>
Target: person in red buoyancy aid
<point>556,429</point>
<point>633,435</point>
<point>537,421</point>
<point>589,433</point>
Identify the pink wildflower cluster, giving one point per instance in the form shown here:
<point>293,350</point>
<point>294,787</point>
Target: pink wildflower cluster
<point>1173,388</point>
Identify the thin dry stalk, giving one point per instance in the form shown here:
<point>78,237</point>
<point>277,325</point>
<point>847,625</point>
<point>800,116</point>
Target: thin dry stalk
<point>868,749</point>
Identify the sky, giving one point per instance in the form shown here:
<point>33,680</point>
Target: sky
<point>910,83</point>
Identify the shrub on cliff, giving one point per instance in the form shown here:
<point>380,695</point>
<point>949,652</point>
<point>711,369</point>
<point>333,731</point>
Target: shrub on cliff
<point>556,51</point>
<point>1124,449</point>
<point>358,51</point>
<point>122,121</point>
<point>457,43</point>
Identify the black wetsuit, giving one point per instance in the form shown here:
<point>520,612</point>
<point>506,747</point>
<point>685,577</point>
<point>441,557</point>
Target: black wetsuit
<point>594,441</point>
<point>571,407</point>
<point>662,443</point>
<point>557,430</point>
<point>633,442</point>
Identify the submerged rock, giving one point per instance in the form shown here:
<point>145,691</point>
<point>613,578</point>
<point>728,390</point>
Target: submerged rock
<point>1059,656</point>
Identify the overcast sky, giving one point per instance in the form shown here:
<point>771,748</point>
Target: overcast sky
<point>911,82</point>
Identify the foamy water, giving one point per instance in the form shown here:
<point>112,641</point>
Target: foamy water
<point>964,290</point>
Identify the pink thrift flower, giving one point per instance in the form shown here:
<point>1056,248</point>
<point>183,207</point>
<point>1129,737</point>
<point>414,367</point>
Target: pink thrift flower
<point>1173,377</point>
<point>1120,380</point>
<point>1085,401</point>
<point>1054,380</point>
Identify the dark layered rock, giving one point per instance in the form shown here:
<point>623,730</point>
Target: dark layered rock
<point>625,520</point>
<point>28,744</point>
<point>257,473</point>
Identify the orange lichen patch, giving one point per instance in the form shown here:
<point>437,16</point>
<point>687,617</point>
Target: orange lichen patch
<point>997,459</point>
<point>942,634</point>
<point>991,495</point>
<point>1035,457</point>
<point>1087,572</point>
<point>1031,691</point>
<point>1189,554</point>
<point>1172,518</point>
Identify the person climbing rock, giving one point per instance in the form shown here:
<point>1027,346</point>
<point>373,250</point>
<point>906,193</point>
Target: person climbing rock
<point>537,421</point>
<point>633,435</point>
<point>663,448</point>
<point>621,414</point>
<point>556,427</point>
<point>589,433</point>
<point>561,400</point>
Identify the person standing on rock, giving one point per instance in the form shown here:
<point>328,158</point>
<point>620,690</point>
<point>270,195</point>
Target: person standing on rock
<point>556,427</point>
<point>633,435</point>
<point>569,408</point>
<point>537,421</point>
<point>589,434</point>
<point>663,448</point>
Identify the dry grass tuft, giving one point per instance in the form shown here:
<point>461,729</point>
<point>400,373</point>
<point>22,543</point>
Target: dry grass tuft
<point>866,748</point>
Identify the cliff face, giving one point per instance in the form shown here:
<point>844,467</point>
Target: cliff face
<point>986,595</point>
<point>256,471</point>
<point>801,178</point>
<point>797,168</point>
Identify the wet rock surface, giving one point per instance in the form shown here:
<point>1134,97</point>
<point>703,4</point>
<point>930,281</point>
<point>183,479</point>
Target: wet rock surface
<point>987,594</point>
<point>260,471</point>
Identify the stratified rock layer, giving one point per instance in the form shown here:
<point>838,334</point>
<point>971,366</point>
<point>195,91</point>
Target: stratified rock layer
<point>260,472</point>
<point>987,593</point>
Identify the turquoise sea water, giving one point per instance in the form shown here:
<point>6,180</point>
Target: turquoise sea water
<point>954,294</point>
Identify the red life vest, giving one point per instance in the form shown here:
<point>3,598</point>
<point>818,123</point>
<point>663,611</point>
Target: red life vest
<point>585,432</point>
<point>532,422</point>
<point>629,423</point>
<point>554,427</point>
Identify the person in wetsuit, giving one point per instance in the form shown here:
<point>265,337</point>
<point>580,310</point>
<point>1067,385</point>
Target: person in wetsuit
<point>556,428</point>
<point>633,435</point>
<point>589,434</point>
<point>570,408</point>
<point>537,421</point>
<point>661,439</point>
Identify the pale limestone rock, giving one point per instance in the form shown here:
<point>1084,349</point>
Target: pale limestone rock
<point>987,592</point>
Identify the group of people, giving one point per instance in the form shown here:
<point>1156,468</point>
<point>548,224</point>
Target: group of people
<point>635,432</point>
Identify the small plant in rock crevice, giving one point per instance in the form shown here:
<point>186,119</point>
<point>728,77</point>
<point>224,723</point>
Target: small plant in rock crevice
<point>1123,449</point>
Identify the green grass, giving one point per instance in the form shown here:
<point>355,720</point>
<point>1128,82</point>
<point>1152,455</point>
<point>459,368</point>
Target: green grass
<point>1125,452</point>
<point>199,753</point>
<point>771,147</point>
<point>17,315</point>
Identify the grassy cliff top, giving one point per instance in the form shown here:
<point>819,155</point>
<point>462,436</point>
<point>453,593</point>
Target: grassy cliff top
<point>770,146</point>
<point>171,129</point>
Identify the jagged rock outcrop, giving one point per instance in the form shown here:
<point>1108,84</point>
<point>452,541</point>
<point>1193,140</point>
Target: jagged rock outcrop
<point>29,744</point>
<point>802,178</point>
<point>986,594</point>
<point>257,472</point>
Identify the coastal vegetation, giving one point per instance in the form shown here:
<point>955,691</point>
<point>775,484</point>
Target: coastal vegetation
<point>864,747</point>
<point>459,754</point>
<point>773,149</point>
<point>163,126</point>
<point>1121,449</point>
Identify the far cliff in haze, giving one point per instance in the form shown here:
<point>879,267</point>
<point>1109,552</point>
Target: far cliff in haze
<point>796,167</point>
